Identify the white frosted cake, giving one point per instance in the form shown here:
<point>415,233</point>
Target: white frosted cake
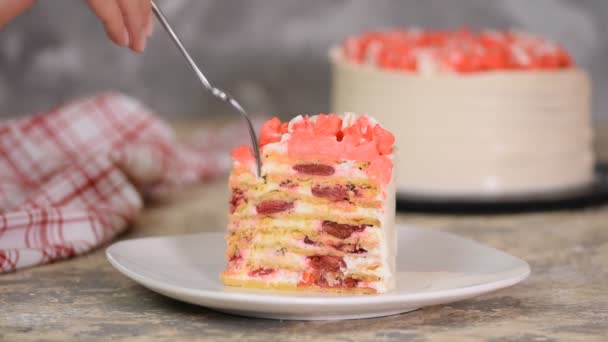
<point>475,114</point>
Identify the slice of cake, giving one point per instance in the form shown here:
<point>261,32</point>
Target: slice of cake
<point>321,216</point>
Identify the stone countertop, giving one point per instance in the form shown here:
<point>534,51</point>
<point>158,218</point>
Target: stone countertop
<point>565,298</point>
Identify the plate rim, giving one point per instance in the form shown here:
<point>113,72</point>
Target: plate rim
<point>344,301</point>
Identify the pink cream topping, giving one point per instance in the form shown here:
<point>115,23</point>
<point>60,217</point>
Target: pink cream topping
<point>323,140</point>
<point>461,51</point>
<point>243,155</point>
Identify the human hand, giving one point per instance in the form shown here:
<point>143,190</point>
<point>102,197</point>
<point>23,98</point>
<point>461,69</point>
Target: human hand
<point>127,23</point>
<point>9,9</point>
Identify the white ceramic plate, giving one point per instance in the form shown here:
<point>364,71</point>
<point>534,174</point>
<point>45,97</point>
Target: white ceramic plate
<point>433,268</point>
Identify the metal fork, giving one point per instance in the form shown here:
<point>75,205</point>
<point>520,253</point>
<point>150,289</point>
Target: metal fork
<point>217,92</point>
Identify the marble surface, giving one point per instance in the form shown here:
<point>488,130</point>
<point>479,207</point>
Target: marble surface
<point>565,298</point>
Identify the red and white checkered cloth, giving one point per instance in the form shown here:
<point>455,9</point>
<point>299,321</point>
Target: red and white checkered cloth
<point>73,178</point>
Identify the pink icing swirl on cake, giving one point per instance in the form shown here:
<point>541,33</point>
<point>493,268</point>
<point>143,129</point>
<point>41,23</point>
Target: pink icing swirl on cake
<point>460,51</point>
<point>327,139</point>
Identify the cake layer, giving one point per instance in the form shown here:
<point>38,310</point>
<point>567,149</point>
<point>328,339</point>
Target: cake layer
<point>311,227</point>
<point>307,169</point>
<point>366,268</point>
<point>336,189</point>
<point>334,197</point>
<point>319,270</point>
<point>365,245</point>
<point>294,209</point>
<point>244,281</point>
<point>327,232</point>
<point>274,247</point>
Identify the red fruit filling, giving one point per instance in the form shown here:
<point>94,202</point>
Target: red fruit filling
<point>315,169</point>
<point>273,206</point>
<point>340,230</point>
<point>308,241</point>
<point>350,248</point>
<point>261,272</point>
<point>349,282</point>
<point>327,263</point>
<point>316,278</point>
<point>321,281</point>
<point>332,192</point>
<point>238,197</point>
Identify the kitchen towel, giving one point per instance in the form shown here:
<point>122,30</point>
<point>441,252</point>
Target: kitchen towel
<point>74,178</point>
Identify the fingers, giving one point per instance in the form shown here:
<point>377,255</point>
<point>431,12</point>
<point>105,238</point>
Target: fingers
<point>110,15</point>
<point>136,16</point>
<point>127,22</point>
<point>150,25</point>
<point>11,9</point>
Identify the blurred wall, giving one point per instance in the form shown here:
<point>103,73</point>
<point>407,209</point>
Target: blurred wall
<point>271,54</point>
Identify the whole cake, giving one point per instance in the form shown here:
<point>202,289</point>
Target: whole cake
<point>321,216</point>
<point>489,114</point>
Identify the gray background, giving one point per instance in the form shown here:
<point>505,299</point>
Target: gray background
<point>271,54</point>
